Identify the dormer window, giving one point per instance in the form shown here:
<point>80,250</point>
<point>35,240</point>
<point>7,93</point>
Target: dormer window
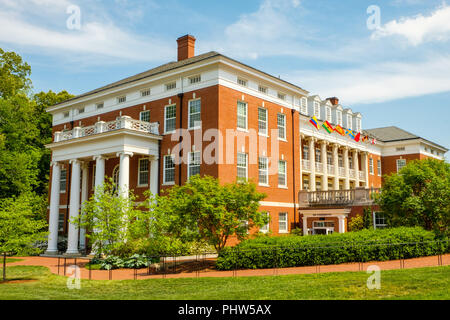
<point>122,99</point>
<point>145,93</point>
<point>81,110</point>
<point>195,79</point>
<point>339,118</point>
<point>349,122</point>
<point>281,96</point>
<point>242,82</point>
<point>316,109</point>
<point>329,114</point>
<point>171,86</point>
<point>99,106</point>
<point>66,114</point>
<point>358,125</point>
<point>262,89</point>
<point>304,105</point>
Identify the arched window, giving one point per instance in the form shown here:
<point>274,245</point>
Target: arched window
<point>115,176</point>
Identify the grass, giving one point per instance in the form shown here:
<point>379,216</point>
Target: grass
<point>423,283</point>
<point>10,260</point>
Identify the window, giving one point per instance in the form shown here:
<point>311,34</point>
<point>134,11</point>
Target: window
<point>99,106</point>
<point>349,122</point>
<point>242,82</point>
<point>340,161</point>
<point>400,149</point>
<point>318,185</point>
<point>379,167</point>
<point>195,79</point>
<point>281,122</point>
<point>170,116</point>
<point>81,110</point>
<point>283,222</point>
<point>350,162</point>
<point>304,106</point>
<point>93,176</point>
<point>281,96</point>
<point>305,152</point>
<point>318,156</point>
<point>263,165</point>
<point>242,115</point>
<point>282,181</point>
<point>329,158</point>
<point>194,163</point>
<point>371,166</point>
<point>262,121</point>
<point>171,85</point>
<point>265,228</point>
<point>61,222</point>
<point>143,172</point>
<point>169,170</point>
<point>358,125</point>
<point>122,99</point>
<point>195,113</point>
<point>63,181</point>
<point>339,118</point>
<point>328,114</point>
<point>145,116</point>
<point>66,114</point>
<point>145,93</point>
<point>400,164</point>
<point>242,166</point>
<point>380,220</point>
<point>317,110</point>
<point>262,89</point>
<point>305,184</point>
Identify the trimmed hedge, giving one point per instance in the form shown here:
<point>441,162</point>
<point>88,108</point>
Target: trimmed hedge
<point>362,246</point>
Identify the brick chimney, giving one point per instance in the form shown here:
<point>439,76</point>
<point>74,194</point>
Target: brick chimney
<point>186,47</point>
<point>334,101</point>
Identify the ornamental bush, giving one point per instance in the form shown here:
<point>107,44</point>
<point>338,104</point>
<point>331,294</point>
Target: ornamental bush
<point>362,246</point>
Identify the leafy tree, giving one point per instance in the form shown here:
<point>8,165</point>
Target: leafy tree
<point>19,226</point>
<point>14,74</point>
<point>107,216</point>
<point>419,195</point>
<point>367,217</point>
<point>202,209</point>
<point>356,224</point>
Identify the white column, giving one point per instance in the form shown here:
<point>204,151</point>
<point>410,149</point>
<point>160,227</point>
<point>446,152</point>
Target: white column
<point>341,224</point>
<point>99,170</point>
<point>365,168</point>
<point>305,226</point>
<point>346,169</point>
<point>124,173</point>
<point>53,220</point>
<point>154,174</point>
<point>84,197</point>
<point>312,164</point>
<point>324,155</point>
<point>72,241</point>
<point>356,165</point>
<point>300,163</point>
<point>336,166</point>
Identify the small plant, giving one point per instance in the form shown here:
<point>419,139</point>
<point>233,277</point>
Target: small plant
<point>297,231</point>
<point>356,224</point>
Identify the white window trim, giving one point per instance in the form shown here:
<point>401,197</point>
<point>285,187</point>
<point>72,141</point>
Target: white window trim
<point>266,171</point>
<point>371,168</point>
<point>397,161</point>
<point>284,129</point>
<point>246,116</point>
<point>379,168</point>
<point>189,115</point>
<point>189,162</point>
<point>144,111</point>
<point>168,183</point>
<point>287,222</point>
<point>267,123</point>
<point>165,119</point>
<point>246,166</point>
<point>65,188</point>
<point>139,173</point>
<point>282,186</point>
<point>266,228</point>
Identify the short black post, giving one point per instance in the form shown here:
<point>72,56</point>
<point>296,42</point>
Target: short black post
<point>110,274</point>
<point>90,268</point>
<point>65,266</point>
<point>4,266</point>
<point>58,263</point>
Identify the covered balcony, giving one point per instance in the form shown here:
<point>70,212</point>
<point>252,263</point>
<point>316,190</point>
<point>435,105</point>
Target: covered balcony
<point>358,196</point>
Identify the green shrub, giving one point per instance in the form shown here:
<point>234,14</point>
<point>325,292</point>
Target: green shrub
<point>362,246</point>
<point>297,231</point>
<point>356,224</point>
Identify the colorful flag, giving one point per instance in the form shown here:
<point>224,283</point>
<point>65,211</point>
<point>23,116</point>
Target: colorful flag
<point>339,130</point>
<point>365,138</point>
<point>374,141</point>
<point>358,136</point>
<point>315,122</point>
<point>327,126</point>
<point>350,133</point>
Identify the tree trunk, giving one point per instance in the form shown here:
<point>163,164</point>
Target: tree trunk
<point>4,266</point>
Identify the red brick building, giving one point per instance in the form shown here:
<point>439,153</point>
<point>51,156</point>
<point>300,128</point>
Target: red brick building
<point>239,122</point>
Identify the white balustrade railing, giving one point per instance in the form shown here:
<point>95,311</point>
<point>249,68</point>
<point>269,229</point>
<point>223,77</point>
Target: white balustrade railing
<point>124,122</point>
<point>319,167</point>
<point>352,173</point>
<point>341,171</point>
<point>330,169</point>
<point>362,176</point>
<point>305,165</point>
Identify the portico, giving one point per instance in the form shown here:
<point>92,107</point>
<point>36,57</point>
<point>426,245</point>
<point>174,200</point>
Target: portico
<point>123,139</point>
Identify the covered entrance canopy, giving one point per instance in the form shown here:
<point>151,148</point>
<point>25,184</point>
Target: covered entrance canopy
<point>324,226</point>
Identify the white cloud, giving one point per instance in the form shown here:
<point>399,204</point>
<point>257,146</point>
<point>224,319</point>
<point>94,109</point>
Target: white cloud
<point>419,29</point>
<point>379,82</point>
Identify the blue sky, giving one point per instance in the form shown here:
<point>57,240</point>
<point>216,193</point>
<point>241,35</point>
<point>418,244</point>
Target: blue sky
<point>397,73</point>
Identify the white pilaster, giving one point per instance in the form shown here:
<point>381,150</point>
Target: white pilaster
<point>324,155</point>
<point>312,164</point>
<point>305,226</point>
<point>99,170</point>
<point>365,168</point>
<point>154,174</point>
<point>336,167</point>
<point>356,165</point>
<point>72,241</point>
<point>124,173</point>
<point>341,224</point>
<point>84,198</point>
<point>53,220</point>
<point>346,169</point>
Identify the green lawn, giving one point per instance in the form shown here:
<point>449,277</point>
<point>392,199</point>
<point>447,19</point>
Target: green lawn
<point>9,260</point>
<point>424,283</point>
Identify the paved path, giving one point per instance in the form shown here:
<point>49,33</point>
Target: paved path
<point>124,274</point>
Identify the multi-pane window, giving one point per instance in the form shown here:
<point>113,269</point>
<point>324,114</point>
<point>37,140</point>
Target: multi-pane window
<point>281,122</point>
<point>171,85</point>
<point>349,122</point>
<point>282,181</point>
<point>329,114</point>
<point>318,156</point>
<point>66,114</point>
<point>99,106</point>
<point>329,158</point>
<point>380,220</point>
<point>143,172</point>
<point>122,99</point>
<point>265,228</point>
<point>194,163</point>
<point>379,167</point>
<point>242,115</point>
<point>317,110</point>
<point>262,89</point>
<point>195,79</point>
<point>263,165</point>
<point>350,162</point>
<point>304,105</point>
<point>371,166</point>
<point>358,125</point>
<point>242,166</point>
<point>169,169</point>
<point>242,82</point>
<point>81,110</point>
<point>262,121</point>
<point>340,161</point>
<point>144,116</point>
<point>194,113</point>
<point>400,164</point>
<point>170,116</point>
<point>63,180</point>
<point>339,118</point>
<point>318,185</point>
<point>281,96</point>
<point>305,184</point>
<point>282,222</point>
<point>61,221</point>
<point>305,152</point>
<point>145,93</point>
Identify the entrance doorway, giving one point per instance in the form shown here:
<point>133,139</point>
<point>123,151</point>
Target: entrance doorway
<point>323,227</point>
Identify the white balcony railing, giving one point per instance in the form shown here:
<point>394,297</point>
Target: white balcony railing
<point>123,122</point>
<point>330,169</point>
<point>305,165</point>
<point>341,172</point>
<point>361,176</point>
<point>352,173</point>
<point>319,167</point>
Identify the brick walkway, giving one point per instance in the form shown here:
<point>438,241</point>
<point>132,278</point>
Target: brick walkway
<point>124,274</point>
